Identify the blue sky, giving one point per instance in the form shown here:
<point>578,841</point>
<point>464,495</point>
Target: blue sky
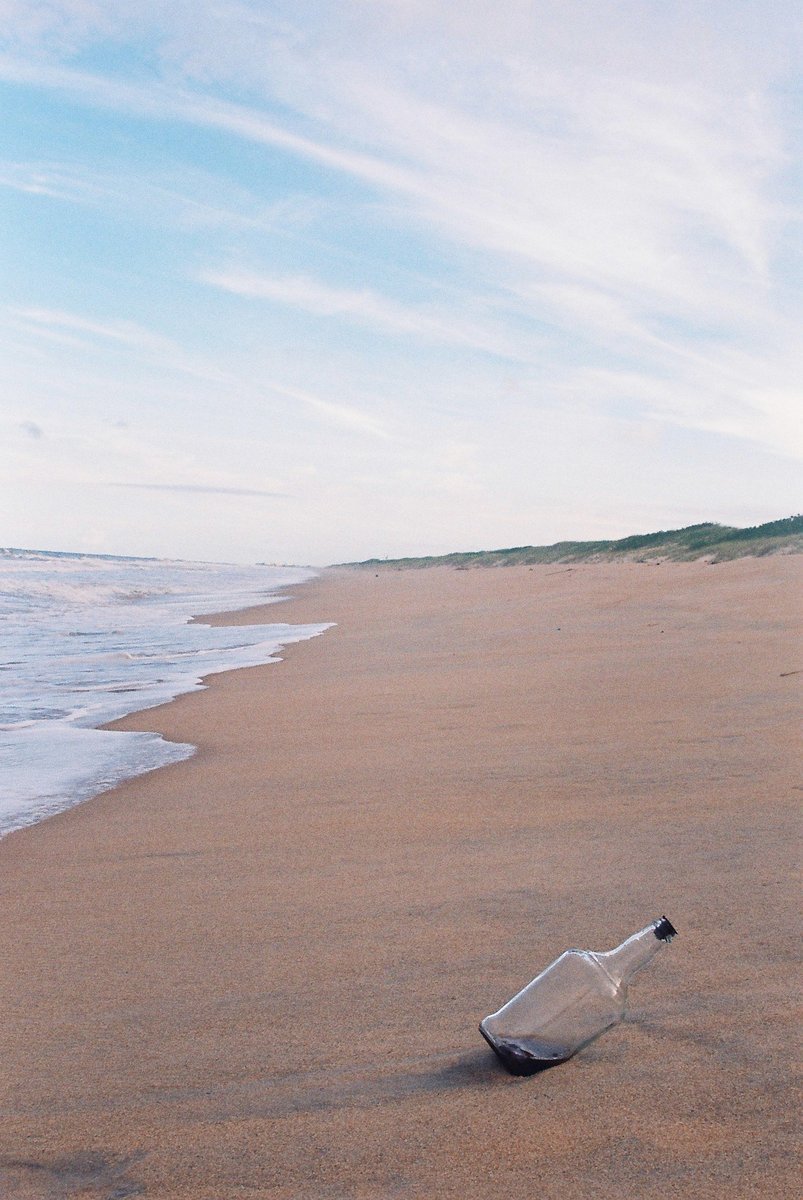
<point>313,282</point>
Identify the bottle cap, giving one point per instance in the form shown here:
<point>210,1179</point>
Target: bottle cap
<point>664,929</point>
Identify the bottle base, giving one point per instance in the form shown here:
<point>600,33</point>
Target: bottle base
<point>525,1056</point>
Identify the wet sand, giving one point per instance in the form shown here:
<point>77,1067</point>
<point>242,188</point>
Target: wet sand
<point>259,973</point>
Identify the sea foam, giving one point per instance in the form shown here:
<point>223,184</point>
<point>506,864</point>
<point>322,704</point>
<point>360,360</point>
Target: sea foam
<point>87,639</point>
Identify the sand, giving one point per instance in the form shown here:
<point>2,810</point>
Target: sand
<point>259,973</point>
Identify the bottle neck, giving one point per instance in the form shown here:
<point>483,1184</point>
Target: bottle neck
<point>623,962</point>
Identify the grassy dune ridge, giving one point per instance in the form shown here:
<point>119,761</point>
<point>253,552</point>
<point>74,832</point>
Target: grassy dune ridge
<point>718,543</point>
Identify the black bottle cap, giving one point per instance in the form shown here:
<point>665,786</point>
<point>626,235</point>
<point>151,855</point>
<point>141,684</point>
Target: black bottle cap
<point>665,930</point>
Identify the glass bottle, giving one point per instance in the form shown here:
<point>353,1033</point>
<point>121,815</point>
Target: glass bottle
<point>571,1002</point>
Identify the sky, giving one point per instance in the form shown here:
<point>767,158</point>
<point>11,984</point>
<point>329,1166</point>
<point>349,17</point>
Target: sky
<point>308,282</point>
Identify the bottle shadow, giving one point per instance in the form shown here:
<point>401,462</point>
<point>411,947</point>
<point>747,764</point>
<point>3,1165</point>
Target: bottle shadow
<point>398,1081</point>
<point>294,1091</point>
<point>472,1070</point>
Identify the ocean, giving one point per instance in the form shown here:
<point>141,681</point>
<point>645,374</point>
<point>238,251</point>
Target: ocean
<point>85,639</point>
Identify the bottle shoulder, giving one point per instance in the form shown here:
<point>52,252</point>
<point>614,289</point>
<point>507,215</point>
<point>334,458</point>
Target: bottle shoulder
<point>579,963</point>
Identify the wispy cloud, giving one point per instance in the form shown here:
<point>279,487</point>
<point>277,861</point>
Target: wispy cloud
<point>77,332</point>
<point>185,198</point>
<point>126,332</point>
<point>636,192</point>
<point>74,328</point>
<point>343,415</point>
<point>34,180</point>
<point>161,102</point>
<point>429,322</point>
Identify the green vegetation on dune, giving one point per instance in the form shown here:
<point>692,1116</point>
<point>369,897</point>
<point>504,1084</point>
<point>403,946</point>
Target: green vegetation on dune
<point>718,543</point>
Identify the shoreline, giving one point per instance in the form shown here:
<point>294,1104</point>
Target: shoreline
<point>259,971</point>
<point>155,751</point>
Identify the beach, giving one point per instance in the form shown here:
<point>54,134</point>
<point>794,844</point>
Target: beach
<point>259,972</point>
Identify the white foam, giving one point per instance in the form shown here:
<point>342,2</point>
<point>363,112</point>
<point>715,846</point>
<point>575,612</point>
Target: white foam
<point>50,766</point>
<point>87,640</point>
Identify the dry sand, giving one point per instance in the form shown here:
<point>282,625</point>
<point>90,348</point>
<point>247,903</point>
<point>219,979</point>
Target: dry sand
<point>259,973</point>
